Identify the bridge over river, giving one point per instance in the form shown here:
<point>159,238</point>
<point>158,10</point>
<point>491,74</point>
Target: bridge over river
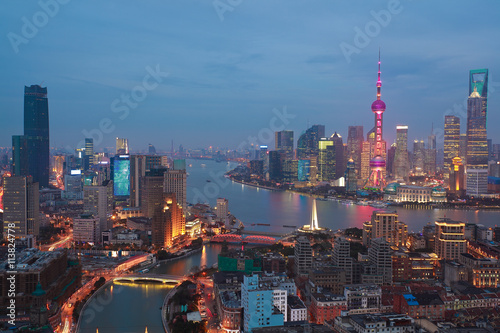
<point>150,277</point>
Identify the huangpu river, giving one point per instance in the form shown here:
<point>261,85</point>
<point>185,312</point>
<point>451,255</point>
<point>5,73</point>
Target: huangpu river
<point>131,307</point>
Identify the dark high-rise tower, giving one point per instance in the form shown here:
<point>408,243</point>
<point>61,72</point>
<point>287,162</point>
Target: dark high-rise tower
<point>430,154</point>
<point>36,132</point>
<point>284,143</point>
<point>307,144</point>
<point>355,146</point>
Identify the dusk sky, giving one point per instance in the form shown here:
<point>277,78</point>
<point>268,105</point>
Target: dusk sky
<point>231,62</point>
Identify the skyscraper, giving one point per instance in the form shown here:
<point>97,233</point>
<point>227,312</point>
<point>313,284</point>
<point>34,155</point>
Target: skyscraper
<point>89,153</point>
<point>36,132</point>
<point>391,153</point>
<point>121,176</point>
<point>401,164</point>
<point>340,163</point>
<point>477,144</point>
<point>430,155</point>
<point>151,149</point>
<point>342,257</point>
<point>307,144</point>
<point>457,175</point>
<point>451,141</point>
<point>365,160</point>
<point>21,206</point>
<point>377,163</point>
<point>355,146</point>
<point>350,178</point>
<point>450,239</point>
<point>284,143</point>
<point>380,256</point>
<point>385,224</point>
<point>98,201</point>
<point>175,182</point>
<point>168,221</point>
<point>263,156</point>
<point>19,155</point>
<point>151,191</point>
<point>222,209</point>
<point>326,160</point>
<point>303,256</point>
<point>275,166</point>
<point>418,157</point>
<point>122,146</point>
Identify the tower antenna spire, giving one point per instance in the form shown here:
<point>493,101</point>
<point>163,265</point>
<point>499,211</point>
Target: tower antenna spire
<point>379,81</point>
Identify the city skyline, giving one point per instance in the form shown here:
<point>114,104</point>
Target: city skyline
<point>225,77</point>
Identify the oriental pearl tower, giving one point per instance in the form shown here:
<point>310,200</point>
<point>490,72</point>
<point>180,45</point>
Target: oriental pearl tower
<point>377,163</point>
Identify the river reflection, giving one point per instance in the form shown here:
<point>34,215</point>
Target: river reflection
<point>277,208</point>
<point>125,308</point>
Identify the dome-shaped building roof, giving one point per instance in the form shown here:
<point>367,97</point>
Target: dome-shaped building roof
<point>378,105</point>
<point>38,290</point>
<point>377,161</point>
<point>392,188</point>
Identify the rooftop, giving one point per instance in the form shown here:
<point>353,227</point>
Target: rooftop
<point>295,302</point>
<point>230,299</point>
<point>423,299</point>
<point>32,260</point>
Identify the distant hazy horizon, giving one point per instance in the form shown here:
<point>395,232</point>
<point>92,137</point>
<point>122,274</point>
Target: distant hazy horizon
<point>211,72</point>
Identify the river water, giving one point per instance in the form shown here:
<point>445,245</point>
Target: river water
<point>128,308</point>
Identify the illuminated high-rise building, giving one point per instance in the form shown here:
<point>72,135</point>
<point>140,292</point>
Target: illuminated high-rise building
<point>122,146</point>
<point>450,239</point>
<point>222,209</point>
<point>457,176</point>
<point>59,161</point>
<point>401,166</point>
<point>350,177</point>
<point>120,168</point>
<point>151,191</point>
<point>175,182</point>
<point>307,144</point>
<point>21,206</point>
<point>365,161</point>
<point>168,221</point>
<point>385,223</point>
<point>89,153</point>
<point>284,143</point>
<point>355,146</point>
<point>377,163</point>
<point>477,144</point>
<point>418,157</point>
<point>451,141</point>
<point>326,160</point>
<point>98,201</point>
<point>137,172</point>
<point>263,154</point>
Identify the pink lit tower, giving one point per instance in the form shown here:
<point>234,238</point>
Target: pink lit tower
<point>377,162</point>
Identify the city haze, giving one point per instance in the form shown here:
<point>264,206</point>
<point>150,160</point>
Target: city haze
<point>224,69</point>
